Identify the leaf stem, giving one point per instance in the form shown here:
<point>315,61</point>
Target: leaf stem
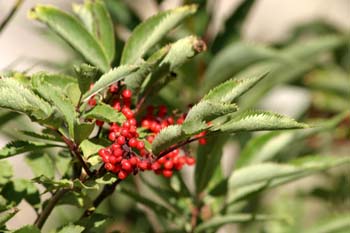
<point>10,15</point>
<point>40,221</point>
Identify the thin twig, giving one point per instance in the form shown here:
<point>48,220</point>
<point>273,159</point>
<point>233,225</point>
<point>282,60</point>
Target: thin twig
<point>11,14</point>
<point>40,221</point>
<point>106,192</point>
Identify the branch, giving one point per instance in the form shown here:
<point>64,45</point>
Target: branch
<point>73,148</point>
<point>11,14</point>
<point>106,192</point>
<point>39,222</point>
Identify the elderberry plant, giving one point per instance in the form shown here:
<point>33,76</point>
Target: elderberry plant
<point>115,122</point>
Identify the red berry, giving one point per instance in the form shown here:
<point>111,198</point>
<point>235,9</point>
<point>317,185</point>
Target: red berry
<point>155,166</point>
<point>202,141</point>
<point>118,152</point>
<point>115,146</point>
<point>133,161</point>
<point>126,165</point>
<point>92,101</point>
<point>122,175</point>
<point>140,145</point>
<point>168,164</point>
<point>167,173</point>
<point>162,160</point>
<point>109,166</point>
<point>133,142</point>
<point>190,160</point>
<point>125,132</point>
<point>99,123</point>
<point>116,106</point>
<point>145,124</point>
<point>133,121</point>
<point>150,138</point>
<point>121,140</point>
<point>113,159</point>
<point>102,152</point>
<point>111,136</point>
<point>143,165</point>
<point>113,88</point>
<point>127,94</point>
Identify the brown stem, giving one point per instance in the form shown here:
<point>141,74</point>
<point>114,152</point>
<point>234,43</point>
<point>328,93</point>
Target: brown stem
<point>106,192</point>
<point>194,217</point>
<point>74,150</point>
<point>40,221</point>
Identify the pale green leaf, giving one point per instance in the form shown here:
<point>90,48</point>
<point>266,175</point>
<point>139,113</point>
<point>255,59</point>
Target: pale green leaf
<point>71,229</point>
<point>218,221</point>
<point>109,78</point>
<point>97,20</point>
<point>150,32</point>
<point>16,97</point>
<point>106,113</point>
<point>256,178</point>
<point>258,120</point>
<point>167,137</point>
<point>70,29</point>
<point>89,148</point>
<point>5,172</point>
<point>56,96</point>
<point>336,224</point>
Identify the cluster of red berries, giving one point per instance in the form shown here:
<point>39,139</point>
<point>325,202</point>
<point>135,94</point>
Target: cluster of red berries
<point>127,153</point>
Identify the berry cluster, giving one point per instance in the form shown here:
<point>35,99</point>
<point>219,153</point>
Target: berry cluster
<point>127,154</point>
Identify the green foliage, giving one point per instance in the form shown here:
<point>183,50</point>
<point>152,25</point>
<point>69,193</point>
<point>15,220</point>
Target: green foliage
<point>238,171</point>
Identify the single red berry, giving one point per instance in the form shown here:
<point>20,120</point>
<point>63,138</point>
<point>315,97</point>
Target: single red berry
<point>117,106</point>
<point>155,166</point>
<point>145,124</point>
<point>92,101</point>
<point>167,173</point>
<point>162,160</point>
<point>143,165</point>
<point>168,164</point>
<point>118,152</point>
<point>202,141</point>
<point>113,88</point>
<point>126,165</point>
<point>99,123</point>
<point>126,125</point>
<point>111,136</point>
<point>125,132</point>
<point>127,94</point>
<point>133,142</point>
<point>140,145</point>
<point>122,174</point>
<point>132,121</point>
<point>121,140</point>
<point>115,146</point>
<point>133,161</point>
<point>150,138</point>
<point>190,160</point>
<point>109,166</point>
<point>113,159</point>
<point>102,152</point>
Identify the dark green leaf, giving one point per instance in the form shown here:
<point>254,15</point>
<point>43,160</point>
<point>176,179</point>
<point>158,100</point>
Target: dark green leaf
<point>41,164</point>
<point>18,147</point>
<point>72,229</point>
<point>70,29</point>
<point>83,131</point>
<point>86,76</point>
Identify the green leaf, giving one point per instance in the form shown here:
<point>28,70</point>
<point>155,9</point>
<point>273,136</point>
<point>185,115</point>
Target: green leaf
<point>258,120</point>
<point>19,189</point>
<point>56,96</point>
<point>58,80</point>
<point>7,216</point>
<point>94,222</point>
<point>150,32</point>
<point>41,164</point>
<point>335,224</point>
<point>267,146</point>
<point>28,229</point>
<point>208,160</point>
<point>86,75</point>
<point>106,113</point>
<point>109,78</point>
<point>135,80</point>
<point>234,58</point>
<point>255,178</point>
<point>18,147</point>
<point>232,89</point>
<point>41,136</point>
<point>71,30</point>
<point>71,229</point>
<point>89,148</point>
<point>16,97</point>
<point>51,184</point>
<point>208,110</point>
<point>167,137</point>
<point>218,221</point>
<point>5,172</point>
<point>82,131</point>
<point>97,20</point>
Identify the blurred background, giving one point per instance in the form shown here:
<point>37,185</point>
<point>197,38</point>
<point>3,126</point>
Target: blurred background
<point>26,45</point>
